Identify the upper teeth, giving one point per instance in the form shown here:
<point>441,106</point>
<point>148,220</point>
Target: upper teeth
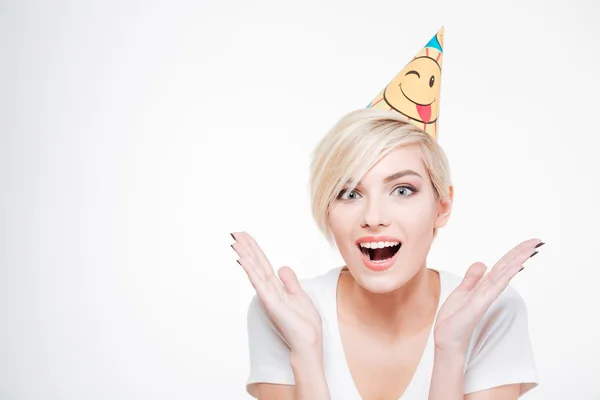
<point>378,245</point>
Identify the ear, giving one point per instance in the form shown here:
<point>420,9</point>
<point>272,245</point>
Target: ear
<point>444,209</point>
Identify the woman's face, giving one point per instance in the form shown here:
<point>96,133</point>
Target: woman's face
<point>384,228</point>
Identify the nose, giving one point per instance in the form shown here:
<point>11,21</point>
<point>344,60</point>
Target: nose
<point>374,215</point>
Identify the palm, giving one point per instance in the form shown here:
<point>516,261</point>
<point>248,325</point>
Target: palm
<point>466,305</point>
<point>289,307</point>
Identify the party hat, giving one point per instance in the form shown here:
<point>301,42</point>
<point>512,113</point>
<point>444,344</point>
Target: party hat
<point>415,91</point>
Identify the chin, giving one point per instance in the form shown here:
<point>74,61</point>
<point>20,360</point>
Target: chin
<point>382,281</point>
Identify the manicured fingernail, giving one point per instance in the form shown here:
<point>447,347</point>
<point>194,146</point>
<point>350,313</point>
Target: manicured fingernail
<point>522,269</point>
<point>540,245</point>
<point>238,261</point>
<point>232,246</point>
<point>232,236</point>
<point>533,254</point>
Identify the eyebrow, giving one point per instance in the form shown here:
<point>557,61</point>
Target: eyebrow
<point>400,174</point>
<point>395,176</point>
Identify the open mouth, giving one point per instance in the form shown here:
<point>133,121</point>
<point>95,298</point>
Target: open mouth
<point>379,252</point>
<point>424,110</point>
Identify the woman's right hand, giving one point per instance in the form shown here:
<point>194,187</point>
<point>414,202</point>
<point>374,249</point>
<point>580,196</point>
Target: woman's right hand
<point>289,307</point>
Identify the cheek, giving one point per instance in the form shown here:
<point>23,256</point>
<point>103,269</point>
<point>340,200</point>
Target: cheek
<point>335,219</point>
<point>340,218</point>
<point>417,220</point>
<point>340,223</point>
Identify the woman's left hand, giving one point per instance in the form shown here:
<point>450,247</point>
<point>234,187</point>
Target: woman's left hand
<point>467,304</point>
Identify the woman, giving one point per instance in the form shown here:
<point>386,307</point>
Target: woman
<point>385,326</point>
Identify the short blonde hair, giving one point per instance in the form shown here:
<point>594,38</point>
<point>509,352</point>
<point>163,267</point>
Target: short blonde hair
<point>355,144</point>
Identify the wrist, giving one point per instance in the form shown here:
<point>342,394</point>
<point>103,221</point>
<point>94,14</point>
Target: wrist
<point>310,358</point>
<point>447,379</point>
<point>450,356</point>
<point>309,375</point>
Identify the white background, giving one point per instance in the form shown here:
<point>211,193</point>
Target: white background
<point>134,136</point>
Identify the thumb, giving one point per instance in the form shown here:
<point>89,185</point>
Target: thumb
<point>473,275</point>
<point>289,279</point>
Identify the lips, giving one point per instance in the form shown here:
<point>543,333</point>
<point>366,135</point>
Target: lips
<point>378,265</point>
<point>378,253</point>
<point>424,112</point>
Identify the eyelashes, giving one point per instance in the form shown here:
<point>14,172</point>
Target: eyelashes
<point>342,194</point>
<point>413,190</point>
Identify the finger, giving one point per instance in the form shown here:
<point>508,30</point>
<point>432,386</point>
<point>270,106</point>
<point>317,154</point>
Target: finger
<point>513,267</point>
<point>502,274</point>
<point>290,280</point>
<point>472,276</point>
<point>269,291</point>
<point>527,245</point>
<point>259,255</point>
<point>256,280</point>
<point>242,247</point>
<point>494,283</point>
<point>247,262</point>
<point>243,252</point>
<point>271,287</point>
<point>262,264</point>
<point>503,271</point>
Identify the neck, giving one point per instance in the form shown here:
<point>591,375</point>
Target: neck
<point>404,311</point>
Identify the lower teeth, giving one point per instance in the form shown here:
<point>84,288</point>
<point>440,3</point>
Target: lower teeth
<point>380,261</point>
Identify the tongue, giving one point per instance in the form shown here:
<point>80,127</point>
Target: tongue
<point>424,113</point>
<point>382,254</point>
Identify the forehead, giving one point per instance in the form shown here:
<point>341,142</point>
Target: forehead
<point>399,159</point>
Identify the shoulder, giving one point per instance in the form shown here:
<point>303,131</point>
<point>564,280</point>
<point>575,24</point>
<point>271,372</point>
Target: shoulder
<point>320,288</point>
<point>500,350</point>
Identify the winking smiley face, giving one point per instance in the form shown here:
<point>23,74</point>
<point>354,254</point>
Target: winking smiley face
<point>414,91</point>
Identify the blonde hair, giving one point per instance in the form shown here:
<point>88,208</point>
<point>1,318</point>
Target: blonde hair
<point>355,144</point>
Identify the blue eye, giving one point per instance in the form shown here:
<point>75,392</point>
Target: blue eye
<point>404,191</point>
<point>345,195</point>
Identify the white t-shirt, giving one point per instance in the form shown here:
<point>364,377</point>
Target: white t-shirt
<point>499,353</point>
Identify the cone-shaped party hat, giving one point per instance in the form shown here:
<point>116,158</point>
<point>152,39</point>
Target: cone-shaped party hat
<point>415,91</point>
